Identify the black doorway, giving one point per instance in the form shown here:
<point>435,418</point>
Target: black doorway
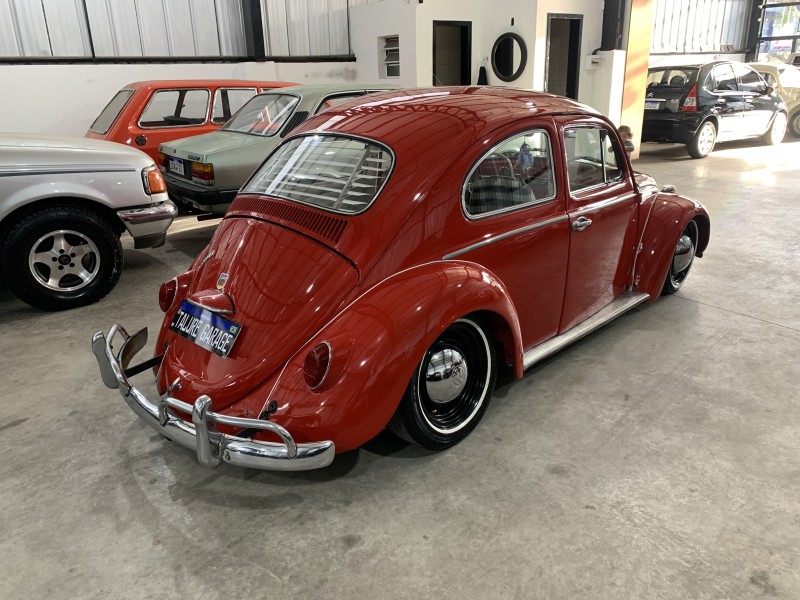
<point>563,54</point>
<point>452,49</point>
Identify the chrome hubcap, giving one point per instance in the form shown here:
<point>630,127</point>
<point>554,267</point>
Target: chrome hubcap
<point>446,376</point>
<point>64,260</point>
<point>684,254</point>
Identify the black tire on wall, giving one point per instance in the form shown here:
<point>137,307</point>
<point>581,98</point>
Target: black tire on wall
<point>61,257</point>
<point>450,389</point>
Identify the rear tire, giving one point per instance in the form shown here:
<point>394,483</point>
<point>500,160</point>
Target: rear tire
<point>776,131</point>
<point>61,257</point>
<point>794,124</point>
<point>450,389</point>
<point>704,140</point>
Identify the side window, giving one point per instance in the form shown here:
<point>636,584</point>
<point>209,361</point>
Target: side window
<point>228,100</point>
<point>749,80</point>
<point>176,108</point>
<point>516,173</point>
<point>332,101</point>
<point>722,79</point>
<point>592,157</point>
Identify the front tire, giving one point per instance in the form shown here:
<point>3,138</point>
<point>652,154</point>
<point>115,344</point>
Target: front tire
<point>703,141</point>
<point>61,257</point>
<point>776,131</point>
<point>450,389</point>
<point>682,259</point>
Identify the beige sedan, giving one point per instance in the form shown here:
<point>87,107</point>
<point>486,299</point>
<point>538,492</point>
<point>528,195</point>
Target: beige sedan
<point>785,79</point>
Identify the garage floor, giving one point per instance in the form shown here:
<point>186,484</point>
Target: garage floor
<point>658,458</point>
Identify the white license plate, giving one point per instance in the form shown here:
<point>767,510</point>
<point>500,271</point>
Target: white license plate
<point>176,166</point>
<point>651,105</point>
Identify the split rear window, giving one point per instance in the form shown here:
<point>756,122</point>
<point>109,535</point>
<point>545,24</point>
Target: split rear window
<point>335,173</point>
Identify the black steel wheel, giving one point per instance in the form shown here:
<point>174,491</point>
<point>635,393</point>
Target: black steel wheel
<point>682,259</point>
<point>794,124</point>
<point>450,389</point>
<point>61,257</point>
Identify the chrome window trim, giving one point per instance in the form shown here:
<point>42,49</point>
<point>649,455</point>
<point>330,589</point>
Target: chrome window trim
<point>602,204</point>
<point>538,201</point>
<point>506,235</point>
<point>596,186</point>
<point>153,95</point>
<point>360,138</point>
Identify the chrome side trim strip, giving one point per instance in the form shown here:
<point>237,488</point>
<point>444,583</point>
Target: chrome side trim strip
<point>506,235</point>
<point>601,205</point>
<point>49,170</point>
<point>624,303</point>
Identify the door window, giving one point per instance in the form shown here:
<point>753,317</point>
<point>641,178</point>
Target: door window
<point>722,79</point>
<point>749,80</point>
<point>516,173</point>
<point>592,157</point>
<point>176,108</point>
<point>228,100</point>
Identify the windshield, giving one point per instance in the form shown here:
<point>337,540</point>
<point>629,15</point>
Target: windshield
<point>110,113</point>
<point>263,115</point>
<point>331,172</point>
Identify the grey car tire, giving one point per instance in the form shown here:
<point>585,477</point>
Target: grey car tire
<point>776,131</point>
<point>794,124</point>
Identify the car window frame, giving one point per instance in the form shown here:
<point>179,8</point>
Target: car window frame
<point>280,132</point>
<point>606,183</point>
<point>175,89</point>
<point>226,88</point>
<point>119,112</point>
<point>510,209</point>
<point>351,94</point>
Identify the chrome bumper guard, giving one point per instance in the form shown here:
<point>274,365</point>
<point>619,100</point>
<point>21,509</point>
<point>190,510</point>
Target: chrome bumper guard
<point>212,447</point>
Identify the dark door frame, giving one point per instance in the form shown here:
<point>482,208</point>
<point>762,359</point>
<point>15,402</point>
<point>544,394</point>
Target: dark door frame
<point>466,69</point>
<point>577,74</point>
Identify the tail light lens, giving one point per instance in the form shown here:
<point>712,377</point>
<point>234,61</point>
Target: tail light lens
<point>154,181</point>
<point>166,294</point>
<point>316,365</point>
<point>690,104</point>
<point>161,160</point>
<point>203,173</point>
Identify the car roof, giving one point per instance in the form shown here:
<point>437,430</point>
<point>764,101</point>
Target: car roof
<point>181,83</point>
<point>328,88</point>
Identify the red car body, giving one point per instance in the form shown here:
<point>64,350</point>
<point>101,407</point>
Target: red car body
<point>121,120</point>
<point>394,290</point>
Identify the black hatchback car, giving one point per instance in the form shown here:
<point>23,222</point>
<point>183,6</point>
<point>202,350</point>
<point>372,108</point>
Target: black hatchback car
<point>700,105</point>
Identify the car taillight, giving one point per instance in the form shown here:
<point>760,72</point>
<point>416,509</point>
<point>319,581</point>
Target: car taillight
<point>203,173</point>
<point>161,160</point>
<point>316,365</point>
<point>690,104</point>
<point>166,294</point>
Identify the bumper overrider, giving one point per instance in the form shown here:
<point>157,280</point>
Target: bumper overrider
<point>201,434</point>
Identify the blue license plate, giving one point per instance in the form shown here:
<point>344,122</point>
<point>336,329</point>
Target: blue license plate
<point>205,328</point>
<point>651,104</point>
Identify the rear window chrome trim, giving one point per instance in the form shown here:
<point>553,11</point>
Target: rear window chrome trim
<point>359,138</point>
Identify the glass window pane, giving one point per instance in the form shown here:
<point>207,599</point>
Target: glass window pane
<point>339,174</point>
<point>611,157</point>
<point>516,173</point>
<point>176,108</point>
<point>110,113</point>
<point>263,115</point>
<point>229,100</point>
<point>332,101</point>
<point>584,157</point>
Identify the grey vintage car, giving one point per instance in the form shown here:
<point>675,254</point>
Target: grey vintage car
<point>205,171</point>
<point>64,202</point>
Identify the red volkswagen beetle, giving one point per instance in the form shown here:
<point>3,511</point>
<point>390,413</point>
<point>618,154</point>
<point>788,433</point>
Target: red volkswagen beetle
<point>386,260</point>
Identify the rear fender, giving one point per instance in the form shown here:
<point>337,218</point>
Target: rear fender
<point>376,344</point>
<point>668,217</point>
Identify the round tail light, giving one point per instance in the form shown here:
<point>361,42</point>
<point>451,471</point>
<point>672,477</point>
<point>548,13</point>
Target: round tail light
<point>166,294</point>
<point>316,365</point>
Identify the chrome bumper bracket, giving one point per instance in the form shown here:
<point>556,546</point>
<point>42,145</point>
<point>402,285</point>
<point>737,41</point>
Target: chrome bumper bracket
<point>201,435</point>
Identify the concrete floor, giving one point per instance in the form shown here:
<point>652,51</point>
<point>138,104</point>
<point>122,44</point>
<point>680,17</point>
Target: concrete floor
<point>658,458</point>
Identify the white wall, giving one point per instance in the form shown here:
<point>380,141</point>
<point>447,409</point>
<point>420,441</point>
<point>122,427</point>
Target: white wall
<point>65,99</point>
<point>368,23</point>
<point>676,60</point>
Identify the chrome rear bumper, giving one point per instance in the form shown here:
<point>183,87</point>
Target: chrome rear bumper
<point>201,435</point>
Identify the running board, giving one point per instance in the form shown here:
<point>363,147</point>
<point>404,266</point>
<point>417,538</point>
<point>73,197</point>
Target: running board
<point>619,306</point>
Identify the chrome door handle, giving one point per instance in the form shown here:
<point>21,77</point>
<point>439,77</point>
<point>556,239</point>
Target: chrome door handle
<point>580,224</point>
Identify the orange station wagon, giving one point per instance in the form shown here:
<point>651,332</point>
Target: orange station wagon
<point>145,114</point>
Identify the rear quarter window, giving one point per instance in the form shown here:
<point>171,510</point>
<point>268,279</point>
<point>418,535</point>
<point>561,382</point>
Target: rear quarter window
<point>110,113</point>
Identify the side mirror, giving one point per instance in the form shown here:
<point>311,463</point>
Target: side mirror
<point>668,189</point>
<point>769,90</point>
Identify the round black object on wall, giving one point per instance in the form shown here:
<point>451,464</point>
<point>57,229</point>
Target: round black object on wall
<point>509,56</point>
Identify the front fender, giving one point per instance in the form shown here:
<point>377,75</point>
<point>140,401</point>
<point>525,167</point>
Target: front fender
<point>377,342</point>
<point>669,214</point>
